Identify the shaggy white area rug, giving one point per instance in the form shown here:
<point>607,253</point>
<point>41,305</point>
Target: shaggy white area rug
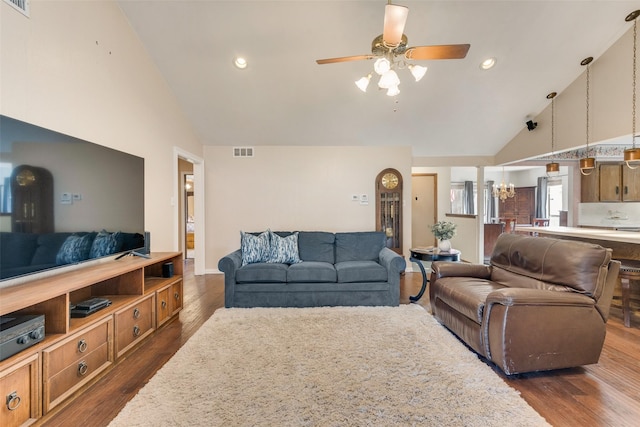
<point>331,366</point>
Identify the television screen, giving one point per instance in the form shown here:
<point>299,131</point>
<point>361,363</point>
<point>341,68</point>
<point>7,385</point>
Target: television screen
<point>64,200</point>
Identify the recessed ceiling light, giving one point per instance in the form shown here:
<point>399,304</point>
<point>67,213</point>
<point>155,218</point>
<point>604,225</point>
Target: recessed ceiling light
<point>488,63</point>
<point>240,62</point>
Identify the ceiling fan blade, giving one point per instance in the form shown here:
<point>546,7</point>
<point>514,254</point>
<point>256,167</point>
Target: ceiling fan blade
<point>445,51</point>
<point>395,17</point>
<point>344,59</point>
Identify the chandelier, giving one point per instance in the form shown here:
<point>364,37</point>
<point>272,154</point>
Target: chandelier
<point>503,191</point>
<point>632,155</point>
<point>386,68</point>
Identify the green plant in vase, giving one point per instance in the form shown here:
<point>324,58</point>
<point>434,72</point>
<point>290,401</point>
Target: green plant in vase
<point>444,231</point>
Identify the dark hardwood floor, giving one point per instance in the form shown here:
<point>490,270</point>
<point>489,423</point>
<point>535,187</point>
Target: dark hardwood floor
<point>606,394</point>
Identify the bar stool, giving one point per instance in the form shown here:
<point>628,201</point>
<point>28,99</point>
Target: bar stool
<point>629,272</point>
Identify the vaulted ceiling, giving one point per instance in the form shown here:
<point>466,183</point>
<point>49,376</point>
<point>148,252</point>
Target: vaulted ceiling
<point>284,98</point>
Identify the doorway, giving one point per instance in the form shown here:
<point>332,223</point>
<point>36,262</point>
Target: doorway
<point>189,217</point>
<point>186,163</point>
<point>424,209</point>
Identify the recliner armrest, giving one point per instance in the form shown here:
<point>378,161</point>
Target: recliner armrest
<point>459,269</point>
<point>528,296</point>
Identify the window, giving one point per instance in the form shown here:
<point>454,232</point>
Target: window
<point>554,202</point>
<point>457,196</point>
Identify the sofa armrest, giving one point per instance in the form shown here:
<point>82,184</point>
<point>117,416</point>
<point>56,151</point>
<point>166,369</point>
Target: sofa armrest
<point>526,330</point>
<point>459,269</point>
<point>229,265</point>
<point>393,262</point>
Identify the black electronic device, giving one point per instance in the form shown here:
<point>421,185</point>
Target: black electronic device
<point>167,269</point>
<point>90,306</point>
<point>19,332</point>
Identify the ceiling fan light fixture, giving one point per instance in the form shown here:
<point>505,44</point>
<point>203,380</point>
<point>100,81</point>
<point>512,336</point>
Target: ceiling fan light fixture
<point>363,82</point>
<point>388,80</point>
<point>381,66</point>
<point>418,71</point>
<point>395,17</point>
<point>393,91</point>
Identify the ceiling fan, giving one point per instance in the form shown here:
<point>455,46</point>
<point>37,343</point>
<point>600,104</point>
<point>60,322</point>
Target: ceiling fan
<point>391,48</point>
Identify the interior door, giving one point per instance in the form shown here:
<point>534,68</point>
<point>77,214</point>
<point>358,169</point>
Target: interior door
<point>424,209</point>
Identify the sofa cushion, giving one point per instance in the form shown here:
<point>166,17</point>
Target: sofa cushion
<point>105,243</point>
<point>360,271</point>
<point>283,249</point>
<point>359,246</point>
<point>254,248</point>
<point>317,246</point>
<point>312,271</point>
<point>262,272</point>
<point>466,295</point>
<point>75,248</point>
<point>17,249</point>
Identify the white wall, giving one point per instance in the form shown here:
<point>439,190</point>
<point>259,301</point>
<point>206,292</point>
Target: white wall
<point>79,69</point>
<point>296,188</point>
<point>610,108</point>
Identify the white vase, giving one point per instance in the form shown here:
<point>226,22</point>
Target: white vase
<point>444,245</point>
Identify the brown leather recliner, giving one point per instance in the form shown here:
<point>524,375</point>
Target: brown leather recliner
<point>541,304</point>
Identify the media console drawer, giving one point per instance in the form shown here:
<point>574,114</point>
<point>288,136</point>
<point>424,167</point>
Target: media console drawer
<point>69,364</point>
<point>134,323</point>
<point>19,392</point>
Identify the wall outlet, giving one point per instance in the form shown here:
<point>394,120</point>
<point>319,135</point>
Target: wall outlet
<point>354,198</point>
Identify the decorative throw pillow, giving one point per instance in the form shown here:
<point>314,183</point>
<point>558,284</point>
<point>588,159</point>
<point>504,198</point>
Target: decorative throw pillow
<point>75,249</point>
<point>105,243</point>
<point>284,250</point>
<point>254,248</point>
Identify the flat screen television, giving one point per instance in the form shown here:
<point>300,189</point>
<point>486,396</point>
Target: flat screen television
<point>64,201</point>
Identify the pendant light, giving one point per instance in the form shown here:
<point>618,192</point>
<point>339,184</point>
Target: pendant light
<point>632,155</point>
<point>587,164</point>
<point>553,168</point>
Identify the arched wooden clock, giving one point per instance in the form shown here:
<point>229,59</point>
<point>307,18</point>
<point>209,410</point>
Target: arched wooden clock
<point>32,200</point>
<point>389,207</point>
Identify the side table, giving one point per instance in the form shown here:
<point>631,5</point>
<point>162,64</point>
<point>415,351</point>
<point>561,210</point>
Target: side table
<point>430,254</point>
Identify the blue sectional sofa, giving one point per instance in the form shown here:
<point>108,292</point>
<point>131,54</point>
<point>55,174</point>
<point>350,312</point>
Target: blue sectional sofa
<point>329,269</point>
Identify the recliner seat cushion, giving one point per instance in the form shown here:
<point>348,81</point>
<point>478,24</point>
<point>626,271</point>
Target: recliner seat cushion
<point>262,272</point>
<point>312,272</point>
<point>466,295</point>
<point>361,271</point>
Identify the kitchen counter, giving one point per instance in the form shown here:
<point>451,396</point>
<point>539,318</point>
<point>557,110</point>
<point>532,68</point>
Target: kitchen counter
<point>625,244</point>
<point>587,233</point>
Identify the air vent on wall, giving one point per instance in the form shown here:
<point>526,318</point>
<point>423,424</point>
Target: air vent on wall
<point>20,5</point>
<point>242,151</point>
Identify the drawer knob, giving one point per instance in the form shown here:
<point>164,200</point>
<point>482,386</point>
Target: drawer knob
<point>136,313</point>
<point>82,346</point>
<point>176,296</point>
<point>164,304</point>
<point>136,331</point>
<point>83,368</point>
<point>13,401</point>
